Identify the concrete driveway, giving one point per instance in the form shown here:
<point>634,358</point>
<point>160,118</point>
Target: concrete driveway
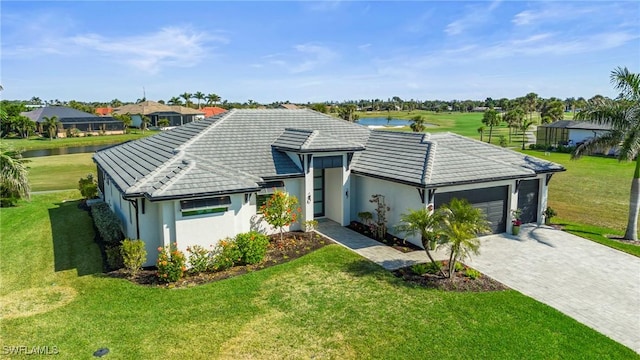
<point>592,283</point>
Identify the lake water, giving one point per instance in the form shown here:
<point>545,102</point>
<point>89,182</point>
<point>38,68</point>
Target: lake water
<point>63,151</point>
<point>382,121</point>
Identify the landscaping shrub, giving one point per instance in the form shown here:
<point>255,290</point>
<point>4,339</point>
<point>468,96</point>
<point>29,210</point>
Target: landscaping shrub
<point>226,255</point>
<point>199,259</point>
<point>252,247</point>
<point>280,210</point>
<point>472,273</point>
<point>114,257</point>
<point>420,269</point>
<point>107,223</point>
<point>88,187</point>
<point>434,268</point>
<point>171,263</point>
<point>133,255</point>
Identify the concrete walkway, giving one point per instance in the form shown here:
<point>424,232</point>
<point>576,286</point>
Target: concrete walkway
<point>383,255</point>
<point>594,284</point>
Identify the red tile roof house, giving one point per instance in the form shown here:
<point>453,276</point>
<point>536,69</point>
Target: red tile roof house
<point>210,111</point>
<point>104,111</point>
<point>204,181</point>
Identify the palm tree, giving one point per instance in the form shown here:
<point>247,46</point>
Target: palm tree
<point>144,122</point>
<point>187,98</point>
<point>481,131</point>
<point>623,115</point>
<point>51,124</point>
<point>513,118</point>
<point>14,183</point>
<point>425,223</point>
<point>417,123</point>
<point>491,119</point>
<point>200,96</point>
<point>212,99</point>
<point>175,101</point>
<point>461,224</point>
<point>526,124</point>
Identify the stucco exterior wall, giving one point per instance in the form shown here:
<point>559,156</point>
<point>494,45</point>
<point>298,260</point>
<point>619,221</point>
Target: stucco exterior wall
<point>333,194</point>
<point>397,196</point>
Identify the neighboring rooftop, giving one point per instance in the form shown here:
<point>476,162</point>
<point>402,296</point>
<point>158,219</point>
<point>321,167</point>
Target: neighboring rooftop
<point>152,107</point>
<point>583,125</point>
<point>210,111</point>
<point>61,112</point>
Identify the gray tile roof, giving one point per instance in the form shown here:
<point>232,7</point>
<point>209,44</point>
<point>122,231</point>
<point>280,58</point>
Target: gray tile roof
<point>570,124</point>
<point>241,149</point>
<point>312,141</point>
<point>63,113</point>
<point>231,151</point>
<point>430,160</point>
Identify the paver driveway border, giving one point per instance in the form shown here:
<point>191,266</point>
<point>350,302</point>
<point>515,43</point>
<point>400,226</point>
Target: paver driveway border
<point>592,283</point>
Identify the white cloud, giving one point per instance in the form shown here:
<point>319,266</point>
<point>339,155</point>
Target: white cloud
<point>170,46</point>
<point>304,58</point>
<point>476,15</point>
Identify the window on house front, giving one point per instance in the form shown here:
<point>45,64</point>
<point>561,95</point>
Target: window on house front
<point>219,204</point>
<point>267,191</point>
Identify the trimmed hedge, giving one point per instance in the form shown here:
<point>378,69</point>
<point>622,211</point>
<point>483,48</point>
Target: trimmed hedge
<point>107,223</point>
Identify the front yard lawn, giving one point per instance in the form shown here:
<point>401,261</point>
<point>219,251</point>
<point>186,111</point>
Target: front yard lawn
<point>328,304</point>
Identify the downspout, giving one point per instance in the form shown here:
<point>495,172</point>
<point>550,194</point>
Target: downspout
<point>135,206</point>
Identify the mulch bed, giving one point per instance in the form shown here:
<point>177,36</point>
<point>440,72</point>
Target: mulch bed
<point>459,282</point>
<point>293,246</point>
<point>389,240</point>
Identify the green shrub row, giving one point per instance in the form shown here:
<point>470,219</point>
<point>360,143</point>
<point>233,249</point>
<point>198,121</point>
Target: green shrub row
<point>107,223</point>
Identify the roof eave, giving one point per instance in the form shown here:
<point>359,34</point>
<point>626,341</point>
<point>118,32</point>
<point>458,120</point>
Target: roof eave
<point>197,195</point>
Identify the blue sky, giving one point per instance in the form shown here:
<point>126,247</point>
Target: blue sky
<point>315,51</point>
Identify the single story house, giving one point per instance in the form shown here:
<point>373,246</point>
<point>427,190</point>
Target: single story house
<point>176,114</point>
<point>210,111</point>
<point>569,132</point>
<point>205,181</point>
<point>70,118</point>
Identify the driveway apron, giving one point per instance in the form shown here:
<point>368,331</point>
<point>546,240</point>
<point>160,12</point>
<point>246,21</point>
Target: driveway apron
<point>594,284</point>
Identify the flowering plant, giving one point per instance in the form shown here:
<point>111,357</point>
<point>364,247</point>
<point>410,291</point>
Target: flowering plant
<point>516,217</point>
<point>171,263</point>
<point>281,210</point>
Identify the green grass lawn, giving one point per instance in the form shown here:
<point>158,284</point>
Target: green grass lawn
<point>37,143</point>
<point>329,304</point>
<point>59,172</point>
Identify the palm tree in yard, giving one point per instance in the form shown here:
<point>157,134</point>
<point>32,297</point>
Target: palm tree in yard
<point>461,224</point>
<point>424,223</point>
<point>14,183</point>
<point>524,127</point>
<point>199,96</point>
<point>623,115</point>
<point>417,123</point>
<point>491,119</point>
<point>175,101</point>
<point>187,98</point>
<point>51,124</point>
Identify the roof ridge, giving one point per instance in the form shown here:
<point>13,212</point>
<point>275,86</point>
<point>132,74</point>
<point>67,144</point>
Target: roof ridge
<point>226,168</point>
<point>428,161</point>
<point>179,175</point>
<point>145,179</point>
<point>307,142</point>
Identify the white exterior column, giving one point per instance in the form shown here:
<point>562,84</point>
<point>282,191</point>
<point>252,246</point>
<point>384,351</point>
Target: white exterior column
<point>307,191</point>
<point>543,197</point>
<point>346,191</point>
<point>168,221</point>
<point>512,203</point>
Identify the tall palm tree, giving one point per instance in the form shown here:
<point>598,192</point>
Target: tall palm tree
<point>524,127</point>
<point>51,125</point>
<point>491,119</point>
<point>425,223</point>
<point>187,98</point>
<point>461,224</point>
<point>14,183</point>
<point>623,115</point>
<point>212,99</point>
<point>481,132</point>
<point>175,101</point>
<point>200,96</point>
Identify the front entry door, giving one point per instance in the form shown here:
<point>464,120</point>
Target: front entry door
<point>318,192</point>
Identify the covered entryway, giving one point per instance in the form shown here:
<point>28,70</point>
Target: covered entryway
<point>492,200</point>
<point>528,200</point>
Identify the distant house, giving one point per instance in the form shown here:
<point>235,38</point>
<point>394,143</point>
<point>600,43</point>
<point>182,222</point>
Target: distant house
<point>205,181</point>
<point>289,106</point>
<point>70,119</point>
<point>569,133</point>
<point>210,111</point>
<point>177,115</point>
<point>104,111</point>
